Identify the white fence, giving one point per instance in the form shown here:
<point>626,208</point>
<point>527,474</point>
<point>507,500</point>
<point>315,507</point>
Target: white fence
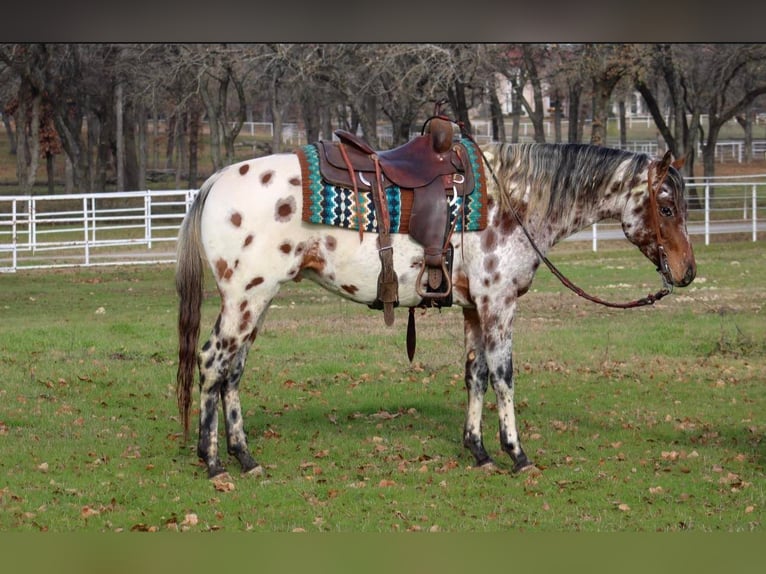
<point>131,228</point>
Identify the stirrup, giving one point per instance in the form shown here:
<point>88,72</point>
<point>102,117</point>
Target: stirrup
<point>433,294</point>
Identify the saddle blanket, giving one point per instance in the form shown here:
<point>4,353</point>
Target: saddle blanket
<point>328,204</point>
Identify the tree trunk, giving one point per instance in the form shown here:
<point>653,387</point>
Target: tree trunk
<point>49,165</point>
<point>498,122</point>
<point>276,116</point>
<point>623,125</point>
<point>457,99</point>
<point>172,134</point>
<point>602,91</point>
<point>28,132</point>
<point>181,131</point>
<point>142,151</point>
<point>515,116</point>
<point>194,133</point>
<point>131,149</point>
<point>574,113</point>
<point>10,133</point>
<point>100,136</point>
<point>746,121</point>
<point>119,109</point>
<point>368,118</point>
<point>231,127</point>
<point>311,116</point>
<point>213,109</point>
<point>557,117</point>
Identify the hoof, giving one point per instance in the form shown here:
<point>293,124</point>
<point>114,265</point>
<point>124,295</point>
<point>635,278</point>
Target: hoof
<point>257,470</point>
<point>528,468</point>
<point>218,473</point>
<point>488,467</point>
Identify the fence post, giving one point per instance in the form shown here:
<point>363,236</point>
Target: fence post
<point>33,224</point>
<point>148,218</point>
<point>94,220</point>
<point>755,219</point>
<point>85,228</point>
<point>707,213</point>
<point>595,237</point>
<point>14,237</point>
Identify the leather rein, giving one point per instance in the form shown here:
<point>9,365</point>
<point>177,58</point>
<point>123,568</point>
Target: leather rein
<point>654,187</point>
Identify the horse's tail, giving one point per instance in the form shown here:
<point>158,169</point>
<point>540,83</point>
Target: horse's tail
<point>189,286</point>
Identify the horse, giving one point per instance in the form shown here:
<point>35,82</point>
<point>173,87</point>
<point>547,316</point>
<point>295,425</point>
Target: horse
<point>246,223</point>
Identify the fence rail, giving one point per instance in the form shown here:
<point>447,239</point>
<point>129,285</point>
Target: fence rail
<point>132,228</point>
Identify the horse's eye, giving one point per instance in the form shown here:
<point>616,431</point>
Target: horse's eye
<point>666,211</point>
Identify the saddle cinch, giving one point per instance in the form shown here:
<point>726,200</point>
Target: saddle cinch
<point>434,168</point>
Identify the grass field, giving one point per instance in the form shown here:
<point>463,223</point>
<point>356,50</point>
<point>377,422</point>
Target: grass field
<point>641,420</point>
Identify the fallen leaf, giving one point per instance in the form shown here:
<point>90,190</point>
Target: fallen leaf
<point>87,511</point>
<point>190,519</point>
<point>623,507</point>
<point>386,483</point>
<point>223,485</point>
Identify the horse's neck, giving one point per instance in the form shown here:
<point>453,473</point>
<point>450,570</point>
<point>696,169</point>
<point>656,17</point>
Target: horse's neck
<point>582,216</point>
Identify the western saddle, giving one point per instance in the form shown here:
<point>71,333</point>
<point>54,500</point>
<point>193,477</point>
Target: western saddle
<point>430,165</point>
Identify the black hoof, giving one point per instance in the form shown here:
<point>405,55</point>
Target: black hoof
<point>214,470</point>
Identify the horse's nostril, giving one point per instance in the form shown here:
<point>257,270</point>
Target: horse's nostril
<point>691,272</point>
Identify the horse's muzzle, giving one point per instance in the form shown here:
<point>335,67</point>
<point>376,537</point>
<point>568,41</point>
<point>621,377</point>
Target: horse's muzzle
<point>679,276</point>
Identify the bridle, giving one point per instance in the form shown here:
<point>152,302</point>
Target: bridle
<point>654,185</point>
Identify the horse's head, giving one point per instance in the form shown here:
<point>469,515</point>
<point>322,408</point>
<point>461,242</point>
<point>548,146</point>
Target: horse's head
<point>654,219</point>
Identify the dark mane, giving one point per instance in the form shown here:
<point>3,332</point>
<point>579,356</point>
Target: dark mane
<point>552,179</point>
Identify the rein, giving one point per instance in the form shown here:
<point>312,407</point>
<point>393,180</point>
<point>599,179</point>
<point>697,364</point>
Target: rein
<point>650,299</point>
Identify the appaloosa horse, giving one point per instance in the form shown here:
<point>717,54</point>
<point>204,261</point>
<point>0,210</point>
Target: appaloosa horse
<point>246,222</point>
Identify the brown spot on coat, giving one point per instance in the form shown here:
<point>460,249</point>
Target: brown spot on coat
<point>295,181</point>
<point>331,243</point>
<point>266,177</point>
<point>243,169</point>
<point>236,219</point>
<point>254,283</point>
<point>284,209</point>
<point>351,289</point>
<point>490,263</point>
<point>248,240</point>
<point>488,240</point>
<point>222,270</point>
<point>286,247</point>
<point>245,322</point>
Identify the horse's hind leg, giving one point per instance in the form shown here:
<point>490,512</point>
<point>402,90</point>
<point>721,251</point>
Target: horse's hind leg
<point>236,438</point>
<point>221,364</point>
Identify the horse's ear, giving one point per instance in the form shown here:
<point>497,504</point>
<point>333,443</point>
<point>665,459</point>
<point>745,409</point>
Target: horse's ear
<point>665,162</point>
<point>664,165</point>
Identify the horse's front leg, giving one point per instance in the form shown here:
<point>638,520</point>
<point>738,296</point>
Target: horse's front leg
<point>500,364</point>
<point>476,381</point>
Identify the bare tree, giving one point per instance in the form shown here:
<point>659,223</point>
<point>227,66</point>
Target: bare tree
<point>605,65</point>
<point>717,80</point>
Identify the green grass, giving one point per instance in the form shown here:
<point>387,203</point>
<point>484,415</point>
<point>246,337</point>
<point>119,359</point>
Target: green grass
<point>640,420</point>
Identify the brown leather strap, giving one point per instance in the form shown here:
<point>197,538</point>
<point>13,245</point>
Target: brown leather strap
<point>344,153</point>
<point>388,285</point>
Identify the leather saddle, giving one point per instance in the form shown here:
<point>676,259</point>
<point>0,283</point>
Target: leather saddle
<point>431,165</point>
